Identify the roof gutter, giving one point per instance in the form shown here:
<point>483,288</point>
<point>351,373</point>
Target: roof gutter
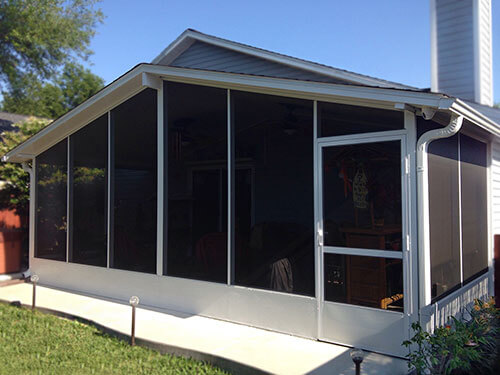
<point>451,129</point>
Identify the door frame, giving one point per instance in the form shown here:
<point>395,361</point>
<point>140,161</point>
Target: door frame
<point>321,250</point>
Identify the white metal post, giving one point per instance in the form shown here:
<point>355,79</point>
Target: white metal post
<point>109,194</point>
<point>318,254</point>
<point>230,195</point>
<point>68,197</point>
<point>160,182</point>
<point>32,211</point>
<point>412,259</point>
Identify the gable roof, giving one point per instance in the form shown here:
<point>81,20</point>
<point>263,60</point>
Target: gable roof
<point>192,42</point>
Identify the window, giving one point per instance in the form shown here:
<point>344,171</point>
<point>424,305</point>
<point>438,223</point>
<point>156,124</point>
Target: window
<point>473,173</point>
<point>197,182</point>
<point>273,192</point>
<point>88,224</point>
<point>134,176</point>
<point>342,119</point>
<point>51,202</point>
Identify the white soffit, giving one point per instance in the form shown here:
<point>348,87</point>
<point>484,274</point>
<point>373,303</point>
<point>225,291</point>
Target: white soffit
<point>189,36</point>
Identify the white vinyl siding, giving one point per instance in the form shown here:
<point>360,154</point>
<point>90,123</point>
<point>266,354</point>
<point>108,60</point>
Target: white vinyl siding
<point>209,57</point>
<point>455,47</point>
<point>485,55</point>
<point>461,49</point>
<point>495,187</point>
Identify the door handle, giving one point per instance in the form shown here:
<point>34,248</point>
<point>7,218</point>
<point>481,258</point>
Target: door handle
<point>320,237</point>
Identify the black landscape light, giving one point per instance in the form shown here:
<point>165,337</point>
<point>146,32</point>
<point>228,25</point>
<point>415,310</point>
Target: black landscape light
<point>357,356</point>
<point>134,301</point>
<point>34,279</point>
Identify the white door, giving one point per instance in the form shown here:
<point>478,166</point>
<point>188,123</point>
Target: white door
<point>362,241</point>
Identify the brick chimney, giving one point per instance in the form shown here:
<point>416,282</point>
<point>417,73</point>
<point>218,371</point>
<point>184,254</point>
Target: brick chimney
<point>461,56</point>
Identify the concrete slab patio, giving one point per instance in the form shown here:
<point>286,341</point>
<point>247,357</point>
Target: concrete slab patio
<point>237,348</point>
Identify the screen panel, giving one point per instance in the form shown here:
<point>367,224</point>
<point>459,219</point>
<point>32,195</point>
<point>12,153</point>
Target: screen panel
<point>134,128</point>
<point>89,157</point>
<point>197,182</point>
<point>474,179</point>
<point>273,187</point>
<point>444,215</point>
<point>51,202</point>
<point>342,119</point>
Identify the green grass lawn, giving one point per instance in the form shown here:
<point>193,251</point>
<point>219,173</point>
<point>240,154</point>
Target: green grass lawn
<point>37,343</point>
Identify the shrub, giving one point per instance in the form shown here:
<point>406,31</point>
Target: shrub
<point>460,346</point>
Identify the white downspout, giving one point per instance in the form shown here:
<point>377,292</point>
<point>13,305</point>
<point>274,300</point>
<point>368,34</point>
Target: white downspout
<point>31,218</point>
<point>424,256</point>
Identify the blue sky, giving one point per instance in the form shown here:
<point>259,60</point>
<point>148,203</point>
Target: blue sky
<point>385,38</point>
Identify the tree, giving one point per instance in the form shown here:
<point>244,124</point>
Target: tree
<point>14,194</point>
<point>38,37</point>
<point>31,97</point>
<point>41,43</point>
<point>52,99</point>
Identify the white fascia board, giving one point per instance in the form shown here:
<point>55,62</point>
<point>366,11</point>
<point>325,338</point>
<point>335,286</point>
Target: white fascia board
<point>189,36</point>
<point>121,89</point>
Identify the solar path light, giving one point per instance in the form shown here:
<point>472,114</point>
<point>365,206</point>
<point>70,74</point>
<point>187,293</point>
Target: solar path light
<point>34,279</point>
<point>134,301</point>
<point>357,356</point>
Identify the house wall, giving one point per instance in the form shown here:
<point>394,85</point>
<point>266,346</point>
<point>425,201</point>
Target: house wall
<point>461,49</point>
<point>495,187</point>
<point>484,56</point>
<point>454,48</point>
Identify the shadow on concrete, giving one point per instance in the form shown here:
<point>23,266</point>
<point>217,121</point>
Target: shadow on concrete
<point>373,364</point>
